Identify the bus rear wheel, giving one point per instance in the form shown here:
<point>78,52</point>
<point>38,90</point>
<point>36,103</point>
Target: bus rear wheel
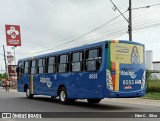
<point>28,94</point>
<point>93,100</point>
<point>63,96</point>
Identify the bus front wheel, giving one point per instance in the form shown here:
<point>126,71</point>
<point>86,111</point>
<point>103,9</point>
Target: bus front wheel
<point>93,100</point>
<point>28,94</point>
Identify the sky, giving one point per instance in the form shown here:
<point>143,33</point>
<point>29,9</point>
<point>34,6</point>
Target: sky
<point>51,25</point>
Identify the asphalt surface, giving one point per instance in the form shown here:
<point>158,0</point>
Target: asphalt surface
<point>16,102</point>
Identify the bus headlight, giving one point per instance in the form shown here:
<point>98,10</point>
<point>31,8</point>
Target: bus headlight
<point>109,80</point>
<point>143,80</point>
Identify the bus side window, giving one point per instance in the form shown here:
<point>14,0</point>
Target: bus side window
<point>77,59</point>
<point>26,67</point>
<point>33,67</point>
<point>93,59</point>
<point>63,63</point>
<point>51,64</point>
<point>41,65</point>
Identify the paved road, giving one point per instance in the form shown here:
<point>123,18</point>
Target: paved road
<point>13,101</point>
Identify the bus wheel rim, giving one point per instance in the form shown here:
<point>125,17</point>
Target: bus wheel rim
<point>62,96</point>
<point>27,92</point>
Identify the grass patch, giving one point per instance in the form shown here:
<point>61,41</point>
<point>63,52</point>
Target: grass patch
<point>152,95</point>
<point>153,86</point>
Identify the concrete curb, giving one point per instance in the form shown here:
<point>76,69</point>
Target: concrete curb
<point>141,101</point>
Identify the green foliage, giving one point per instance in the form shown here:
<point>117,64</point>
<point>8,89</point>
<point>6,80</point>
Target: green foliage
<point>3,76</point>
<point>148,73</point>
<point>153,85</point>
<point>152,82</point>
<point>152,95</point>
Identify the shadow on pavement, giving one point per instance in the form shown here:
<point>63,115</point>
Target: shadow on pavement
<point>83,103</point>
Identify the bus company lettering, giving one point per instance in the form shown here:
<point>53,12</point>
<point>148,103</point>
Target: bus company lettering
<point>129,73</point>
<point>46,80</point>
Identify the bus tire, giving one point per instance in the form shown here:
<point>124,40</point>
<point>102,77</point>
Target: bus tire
<point>63,96</point>
<point>28,95</point>
<point>91,101</point>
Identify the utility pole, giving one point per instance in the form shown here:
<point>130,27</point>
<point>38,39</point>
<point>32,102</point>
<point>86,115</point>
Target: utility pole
<point>130,20</point>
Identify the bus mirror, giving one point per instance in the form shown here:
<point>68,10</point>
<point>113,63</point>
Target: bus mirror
<point>106,46</point>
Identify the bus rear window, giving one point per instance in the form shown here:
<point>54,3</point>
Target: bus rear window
<point>127,53</point>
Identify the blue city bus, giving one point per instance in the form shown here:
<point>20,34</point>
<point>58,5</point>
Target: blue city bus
<point>107,69</point>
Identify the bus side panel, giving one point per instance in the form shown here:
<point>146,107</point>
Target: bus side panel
<point>47,84</point>
<point>20,85</point>
<point>43,84</point>
<point>35,84</point>
<point>54,87</point>
<point>40,86</point>
<point>61,80</point>
<point>85,85</point>
<point>80,86</point>
<point>55,81</point>
<point>24,80</point>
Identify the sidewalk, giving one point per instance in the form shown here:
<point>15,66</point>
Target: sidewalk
<point>139,100</point>
<point>13,90</point>
<point>10,89</point>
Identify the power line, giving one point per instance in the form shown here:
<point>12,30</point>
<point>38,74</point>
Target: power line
<point>58,41</point>
<point>81,35</point>
<point>148,26</point>
<point>85,33</point>
<point>148,6</point>
<point>119,11</point>
<point>100,27</point>
<point>129,21</point>
<point>113,34</point>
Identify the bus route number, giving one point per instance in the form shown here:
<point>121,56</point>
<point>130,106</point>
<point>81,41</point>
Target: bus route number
<point>93,76</point>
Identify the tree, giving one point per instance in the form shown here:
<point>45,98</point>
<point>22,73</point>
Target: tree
<point>3,76</point>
